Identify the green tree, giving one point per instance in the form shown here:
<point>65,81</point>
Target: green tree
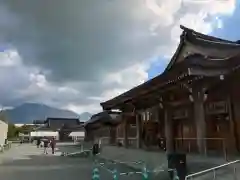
<point>12,131</point>
<point>3,116</point>
<point>26,128</point>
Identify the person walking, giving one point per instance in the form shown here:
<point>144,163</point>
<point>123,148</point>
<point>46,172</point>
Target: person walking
<point>53,145</point>
<point>45,145</point>
<point>38,142</point>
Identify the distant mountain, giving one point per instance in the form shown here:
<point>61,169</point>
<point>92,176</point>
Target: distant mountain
<point>85,116</point>
<point>28,112</point>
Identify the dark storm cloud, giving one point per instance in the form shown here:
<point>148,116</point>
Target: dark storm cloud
<point>81,40</point>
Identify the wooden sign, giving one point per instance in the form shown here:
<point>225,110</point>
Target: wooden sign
<point>180,114</point>
<point>218,107</point>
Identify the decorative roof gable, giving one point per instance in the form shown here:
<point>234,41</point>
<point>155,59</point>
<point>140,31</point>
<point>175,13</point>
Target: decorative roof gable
<point>192,42</point>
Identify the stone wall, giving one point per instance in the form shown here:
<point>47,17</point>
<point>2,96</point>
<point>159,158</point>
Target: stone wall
<point>3,132</point>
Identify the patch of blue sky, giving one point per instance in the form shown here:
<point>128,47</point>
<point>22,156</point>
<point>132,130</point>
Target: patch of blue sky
<point>230,30</point>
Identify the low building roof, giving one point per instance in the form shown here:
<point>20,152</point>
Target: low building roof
<point>44,128</point>
<point>58,123</point>
<point>73,128</point>
<point>62,119</point>
<point>77,134</point>
<point>38,121</point>
<point>103,118</point>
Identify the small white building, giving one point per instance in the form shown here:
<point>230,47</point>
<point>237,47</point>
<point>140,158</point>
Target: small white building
<point>54,134</point>
<point>77,135</point>
<point>20,125</point>
<point>3,132</point>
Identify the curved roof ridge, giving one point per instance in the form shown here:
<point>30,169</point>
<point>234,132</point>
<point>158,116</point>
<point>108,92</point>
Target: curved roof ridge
<point>217,42</point>
<point>206,37</point>
<point>190,36</point>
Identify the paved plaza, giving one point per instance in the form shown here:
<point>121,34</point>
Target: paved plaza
<point>158,160</point>
<point>26,161</point>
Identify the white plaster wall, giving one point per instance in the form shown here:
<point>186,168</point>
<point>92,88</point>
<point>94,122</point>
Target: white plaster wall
<point>45,133</point>
<point>77,134</point>
<point>3,132</point>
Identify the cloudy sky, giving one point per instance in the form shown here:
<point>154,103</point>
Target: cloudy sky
<point>75,54</point>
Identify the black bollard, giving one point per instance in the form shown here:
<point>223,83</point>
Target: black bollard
<point>177,161</point>
<point>95,149</point>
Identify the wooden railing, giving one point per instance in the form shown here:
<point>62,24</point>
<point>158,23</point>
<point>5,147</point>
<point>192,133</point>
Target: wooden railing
<point>191,144</point>
<point>131,141</point>
<point>186,144</point>
<point>213,170</point>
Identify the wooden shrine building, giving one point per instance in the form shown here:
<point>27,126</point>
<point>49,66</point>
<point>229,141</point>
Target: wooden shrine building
<point>194,104</point>
<point>102,125</point>
<point>108,125</point>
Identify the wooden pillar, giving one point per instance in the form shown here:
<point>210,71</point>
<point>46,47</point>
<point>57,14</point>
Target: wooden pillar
<point>168,130</point>
<point>199,116</point>
<point>125,131</point>
<point>234,115</point>
<point>139,130</point>
<point>113,135</point>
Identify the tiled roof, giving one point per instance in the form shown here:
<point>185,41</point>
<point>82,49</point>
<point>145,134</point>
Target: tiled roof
<point>103,117</point>
<point>181,71</point>
<point>186,69</point>
<point>191,37</point>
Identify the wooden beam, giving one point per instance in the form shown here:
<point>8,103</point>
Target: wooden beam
<point>180,102</point>
<point>208,72</point>
<point>151,99</point>
<point>143,104</point>
<point>169,78</point>
<point>148,101</point>
<point>154,97</point>
<point>158,94</point>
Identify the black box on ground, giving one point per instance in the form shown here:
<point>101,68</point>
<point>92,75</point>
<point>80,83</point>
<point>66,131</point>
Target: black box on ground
<point>177,161</point>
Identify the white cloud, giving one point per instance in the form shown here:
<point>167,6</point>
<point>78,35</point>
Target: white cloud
<point>135,32</point>
<point>9,58</point>
<point>27,84</point>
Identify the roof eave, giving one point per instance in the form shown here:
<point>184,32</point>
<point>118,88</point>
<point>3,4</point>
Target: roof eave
<point>207,37</point>
<point>176,54</point>
<point>129,95</point>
